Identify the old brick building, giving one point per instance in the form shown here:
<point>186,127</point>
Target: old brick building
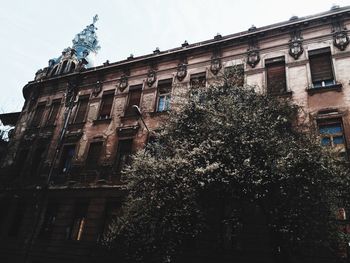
<point>60,179</point>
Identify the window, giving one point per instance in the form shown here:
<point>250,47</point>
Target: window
<point>235,75</point>
<point>112,211</point>
<point>81,110</point>
<point>77,227</point>
<point>331,133</point>
<point>37,160</point>
<point>321,67</point>
<point>123,153</point>
<point>276,75</point>
<point>17,219</point>
<point>49,220</point>
<point>164,95</point>
<point>38,115</point>
<point>134,99</point>
<point>198,80</point>
<point>93,155</point>
<point>55,106</point>
<point>106,106</point>
<point>66,158</point>
<point>21,160</point>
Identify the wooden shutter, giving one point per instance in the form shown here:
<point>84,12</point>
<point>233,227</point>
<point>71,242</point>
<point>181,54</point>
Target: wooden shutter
<point>53,112</point>
<point>276,77</point>
<point>81,110</point>
<point>321,65</point>
<point>134,99</point>
<point>38,115</point>
<point>107,102</point>
<point>94,154</point>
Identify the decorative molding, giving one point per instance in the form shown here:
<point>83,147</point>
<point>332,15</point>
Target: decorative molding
<point>97,88</point>
<point>181,71</point>
<point>296,44</point>
<point>297,63</point>
<point>215,64</point>
<point>123,82</point>
<point>254,71</point>
<point>253,54</point>
<point>340,35</point>
<point>151,77</point>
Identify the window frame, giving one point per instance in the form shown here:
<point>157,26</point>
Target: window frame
<point>273,64</point>
<point>55,102</point>
<point>109,94</point>
<point>77,108</point>
<point>167,95</point>
<point>128,111</point>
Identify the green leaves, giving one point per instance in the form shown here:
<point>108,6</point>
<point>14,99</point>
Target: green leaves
<point>227,155</point>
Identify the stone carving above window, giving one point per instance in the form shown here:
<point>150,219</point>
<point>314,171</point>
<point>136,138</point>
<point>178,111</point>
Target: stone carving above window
<point>151,77</point>
<point>215,64</point>
<point>253,54</point>
<point>181,71</point>
<point>340,35</point>
<point>123,82</point>
<point>296,44</point>
<point>97,88</point>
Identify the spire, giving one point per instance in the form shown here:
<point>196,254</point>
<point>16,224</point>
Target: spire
<point>85,43</point>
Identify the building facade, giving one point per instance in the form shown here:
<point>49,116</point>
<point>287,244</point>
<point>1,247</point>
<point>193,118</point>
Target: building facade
<point>60,178</point>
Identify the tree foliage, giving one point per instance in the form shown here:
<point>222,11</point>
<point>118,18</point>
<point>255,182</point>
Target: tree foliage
<point>232,174</point>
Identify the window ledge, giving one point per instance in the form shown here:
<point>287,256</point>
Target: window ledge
<point>77,125</point>
<point>98,121</point>
<point>281,94</point>
<point>334,87</point>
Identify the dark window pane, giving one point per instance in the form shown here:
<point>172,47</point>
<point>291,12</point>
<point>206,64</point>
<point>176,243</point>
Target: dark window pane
<point>276,77</point>
<point>49,221</point>
<point>81,110</point>
<point>93,155</point>
<point>53,112</point>
<point>123,153</point>
<point>17,219</point>
<point>321,65</point>
<point>38,115</point>
<point>77,227</point>
<point>331,129</point>
<point>338,140</point>
<point>198,80</point>
<point>325,141</point>
<point>134,99</point>
<point>67,158</point>
<point>106,106</point>
<point>37,160</point>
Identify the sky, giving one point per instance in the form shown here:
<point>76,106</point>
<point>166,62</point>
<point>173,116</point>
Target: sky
<point>33,31</point>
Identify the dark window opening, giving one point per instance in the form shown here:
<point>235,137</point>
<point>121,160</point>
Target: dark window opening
<point>235,75</point>
<point>72,67</point>
<point>64,64</point>
<point>276,76</point>
<point>55,106</point>
<point>21,160</point>
<point>134,99</point>
<point>17,219</point>
<point>112,212</point>
<point>164,95</point>
<point>37,160</point>
<point>38,115</point>
<point>123,154</point>
<point>77,227</point>
<point>106,106</point>
<point>66,158</point>
<point>49,221</point>
<point>198,80</point>
<point>81,110</point>
<point>94,155</point>
<point>321,68</point>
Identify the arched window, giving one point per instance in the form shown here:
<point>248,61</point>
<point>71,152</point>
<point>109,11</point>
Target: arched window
<point>72,67</point>
<point>54,70</point>
<point>64,64</point>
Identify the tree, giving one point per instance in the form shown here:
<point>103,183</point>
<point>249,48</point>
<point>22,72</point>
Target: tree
<point>232,176</point>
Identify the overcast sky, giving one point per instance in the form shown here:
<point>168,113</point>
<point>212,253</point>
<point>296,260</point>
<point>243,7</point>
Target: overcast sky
<point>33,31</point>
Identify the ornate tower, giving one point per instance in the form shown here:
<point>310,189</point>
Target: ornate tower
<point>76,58</point>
